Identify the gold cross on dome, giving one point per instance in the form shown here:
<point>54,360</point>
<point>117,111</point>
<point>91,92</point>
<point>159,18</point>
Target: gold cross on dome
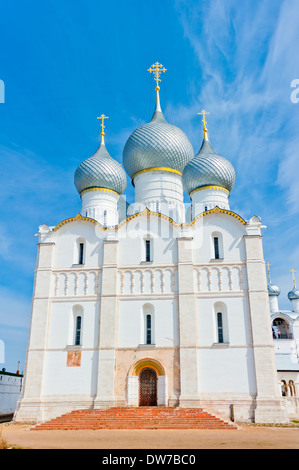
<point>205,130</point>
<point>203,112</point>
<point>157,69</point>
<point>103,127</point>
<point>268,266</point>
<point>293,275</point>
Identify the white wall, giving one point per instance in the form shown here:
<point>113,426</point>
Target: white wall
<point>66,238</point>
<point>132,238</point>
<point>232,233</point>
<point>131,323</point>
<point>226,371</point>
<point>58,378</point>
<point>237,318</point>
<point>61,324</point>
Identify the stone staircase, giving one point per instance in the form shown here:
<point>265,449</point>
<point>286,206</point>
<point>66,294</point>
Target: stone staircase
<point>137,418</point>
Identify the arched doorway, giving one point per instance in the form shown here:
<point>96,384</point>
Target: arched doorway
<point>148,387</point>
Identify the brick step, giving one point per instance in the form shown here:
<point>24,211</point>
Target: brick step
<point>137,426</point>
<point>137,418</point>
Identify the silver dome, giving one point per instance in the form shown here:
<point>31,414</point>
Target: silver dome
<point>293,294</point>
<point>208,169</point>
<point>157,144</point>
<point>273,289</point>
<point>100,171</point>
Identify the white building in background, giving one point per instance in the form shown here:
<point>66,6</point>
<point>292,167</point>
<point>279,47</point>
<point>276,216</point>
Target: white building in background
<point>285,331</point>
<point>10,392</point>
<point>152,304</point>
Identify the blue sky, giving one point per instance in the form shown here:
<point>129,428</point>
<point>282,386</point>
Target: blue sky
<point>65,63</point>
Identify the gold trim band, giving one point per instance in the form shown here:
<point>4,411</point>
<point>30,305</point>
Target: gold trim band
<point>220,188</point>
<point>157,168</point>
<point>99,189</point>
<point>145,363</point>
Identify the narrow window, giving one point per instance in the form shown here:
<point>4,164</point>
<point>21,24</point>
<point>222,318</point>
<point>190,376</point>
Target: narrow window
<point>220,327</point>
<point>105,218</point>
<point>81,253</point>
<point>147,250</point>
<point>216,247</point>
<point>148,329</point>
<point>206,208</point>
<point>78,331</point>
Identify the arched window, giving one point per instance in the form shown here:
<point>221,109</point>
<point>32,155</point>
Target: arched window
<point>148,329</point>
<point>292,388</point>
<point>217,245</point>
<point>221,333</point>
<point>148,324</point>
<point>216,248</point>
<point>75,337</point>
<point>284,388</point>
<point>78,330</point>
<point>147,250</point>
<point>79,251</point>
<point>281,329</point>
<point>220,327</point>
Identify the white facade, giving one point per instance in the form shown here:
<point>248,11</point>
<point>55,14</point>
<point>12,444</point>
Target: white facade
<point>183,287</point>
<point>285,330</point>
<point>186,303</point>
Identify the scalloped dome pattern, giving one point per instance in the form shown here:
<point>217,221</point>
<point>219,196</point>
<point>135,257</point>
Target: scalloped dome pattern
<point>208,169</point>
<point>100,171</point>
<point>273,289</point>
<point>157,144</point>
<point>293,294</point>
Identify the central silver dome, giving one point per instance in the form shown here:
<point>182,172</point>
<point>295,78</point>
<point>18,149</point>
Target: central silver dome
<point>157,144</point>
<point>208,169</point>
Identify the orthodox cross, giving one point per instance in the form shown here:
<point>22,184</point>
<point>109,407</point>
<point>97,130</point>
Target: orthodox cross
<point>293,275</point>
<point>268,266</point>
<point>103,127</point>
<point>157,69</point>
<point>205,130</point>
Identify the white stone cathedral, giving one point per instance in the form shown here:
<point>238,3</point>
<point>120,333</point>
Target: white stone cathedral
<point>152,304</point>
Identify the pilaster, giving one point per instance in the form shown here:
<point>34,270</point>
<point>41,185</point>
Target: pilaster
<point>107,326</point>
<point>188,336</point>
<point>29,407</point>
<point>268,401</point>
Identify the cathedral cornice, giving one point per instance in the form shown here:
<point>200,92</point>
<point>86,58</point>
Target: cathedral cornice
<point>216,210</point>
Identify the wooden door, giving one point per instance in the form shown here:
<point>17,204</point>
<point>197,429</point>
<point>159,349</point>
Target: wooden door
<point>147,387</point>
